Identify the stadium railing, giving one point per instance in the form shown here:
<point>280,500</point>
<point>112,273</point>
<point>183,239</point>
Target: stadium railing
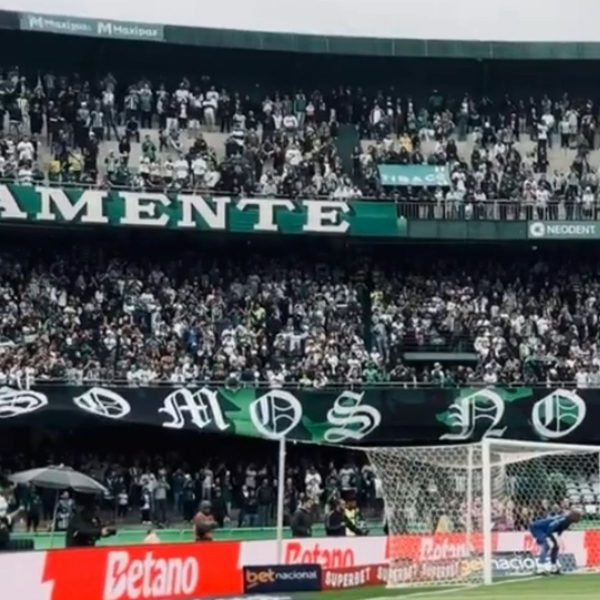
<point>518,209</point>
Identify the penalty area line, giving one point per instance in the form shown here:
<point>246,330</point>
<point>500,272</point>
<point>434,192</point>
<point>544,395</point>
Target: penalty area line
<point>455,590</point>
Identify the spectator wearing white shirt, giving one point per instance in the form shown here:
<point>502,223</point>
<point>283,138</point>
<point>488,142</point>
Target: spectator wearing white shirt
<point>293,156</point>
<point>376,115</point>
<point>25,150</point>
<point>313,482</point>
<point>548,120</point>
<point>588,201</point>
<point>211,104</point>
<point>25,173</point>
<point>199,170</point>
<point>168,171</point>
<point>542,196</point>
<point>290,124</point>
<point>182,170</point>
<point>582,378</point>
<point>144,167</point>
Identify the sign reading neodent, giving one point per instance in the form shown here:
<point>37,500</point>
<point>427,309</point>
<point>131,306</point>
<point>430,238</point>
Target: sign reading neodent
<point>563,230</point>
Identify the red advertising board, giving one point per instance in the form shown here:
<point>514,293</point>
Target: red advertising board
<point>192,571</point>
<point>157,572</point>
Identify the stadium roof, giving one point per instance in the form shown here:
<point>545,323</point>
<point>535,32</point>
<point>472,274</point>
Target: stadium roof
<point>456,29</point>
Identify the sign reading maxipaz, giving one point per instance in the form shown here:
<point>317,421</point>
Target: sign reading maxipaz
<point>381,416</point>
<point>56,206</point>
<point>92,27</point>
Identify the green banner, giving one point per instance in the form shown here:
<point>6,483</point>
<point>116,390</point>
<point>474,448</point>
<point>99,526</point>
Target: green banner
<point>414,175</point>
<point>92,27</point>
<point>47,205</point>
<point>563,230</point>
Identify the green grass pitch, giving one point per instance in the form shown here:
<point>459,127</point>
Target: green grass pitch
<point>565,587</point>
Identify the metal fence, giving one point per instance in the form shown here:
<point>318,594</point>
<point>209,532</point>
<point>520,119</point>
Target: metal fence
<point>559,209</point>
<point>28,383</point>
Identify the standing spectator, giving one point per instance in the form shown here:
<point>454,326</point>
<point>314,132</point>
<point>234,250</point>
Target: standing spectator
<point>313,482</point>
<point>64,510</point>
<point>264,501</point>
<point>220,508</point>
<point>161,490</point>
<point>146,506</point>
<point>301,522</point>
<point>178,483</point>
<point>204,523</point>
<point>122,503</point>
<point>109,112</point>
<point>33,510</point>
<point>211,105</point>
<point>188,498</point>
<point>146,103</point>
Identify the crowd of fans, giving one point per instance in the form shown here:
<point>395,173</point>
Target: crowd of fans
<point>148,317</point>
<point>284,143</point>
<point>168,489</point>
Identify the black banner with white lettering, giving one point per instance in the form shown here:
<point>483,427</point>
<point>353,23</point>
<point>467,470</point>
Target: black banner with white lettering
<point>380,416</point>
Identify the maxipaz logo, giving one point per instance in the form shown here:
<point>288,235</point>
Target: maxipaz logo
<point>16,403</point>
<point>481,410</point>
<point>558,414</point>
<point>351,420</point>
<point>103,403</point>
<point>276,414</point>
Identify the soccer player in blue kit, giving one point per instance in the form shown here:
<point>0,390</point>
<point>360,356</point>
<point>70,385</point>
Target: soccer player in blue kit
<point>544,532</point>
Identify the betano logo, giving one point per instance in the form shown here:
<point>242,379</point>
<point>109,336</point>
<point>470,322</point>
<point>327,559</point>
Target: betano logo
<point>149,577</point>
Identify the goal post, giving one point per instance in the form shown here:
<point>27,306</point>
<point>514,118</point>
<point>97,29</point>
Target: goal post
<point>460,514</point>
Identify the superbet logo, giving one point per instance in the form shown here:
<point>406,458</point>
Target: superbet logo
<point>149,577</point>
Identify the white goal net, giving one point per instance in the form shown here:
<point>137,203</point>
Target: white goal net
<point>461,514</point>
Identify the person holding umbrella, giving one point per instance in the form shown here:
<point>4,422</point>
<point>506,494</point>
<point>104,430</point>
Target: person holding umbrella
<point>84,529</point>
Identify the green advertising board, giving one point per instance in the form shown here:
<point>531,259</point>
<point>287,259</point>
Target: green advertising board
<point>92,27</point>
<point>563,230</point>
<point>101,208</point>
<point>414,175</point>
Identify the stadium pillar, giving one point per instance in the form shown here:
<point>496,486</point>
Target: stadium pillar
<point>280,498</point>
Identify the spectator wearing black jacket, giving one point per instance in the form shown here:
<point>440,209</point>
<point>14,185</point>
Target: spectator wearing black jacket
<point>85,528</point>
<point>337,522</point>
<point>301,523</point>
